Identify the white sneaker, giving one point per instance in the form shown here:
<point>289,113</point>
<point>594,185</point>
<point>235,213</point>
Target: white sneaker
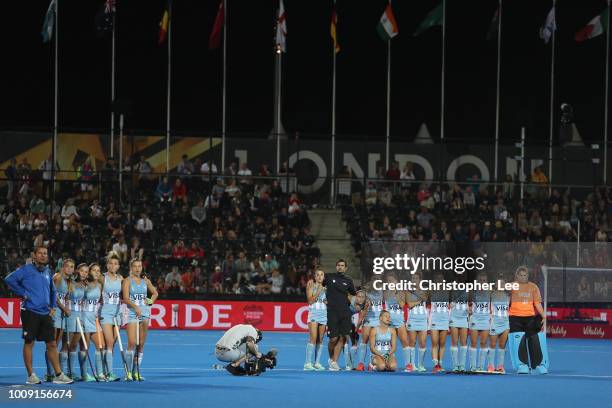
<point>319,367</point>
<point>333,366</point>
<point>308,367</point>
<point>348,367</point>
<point>33,379</point>
<point>62,379</point>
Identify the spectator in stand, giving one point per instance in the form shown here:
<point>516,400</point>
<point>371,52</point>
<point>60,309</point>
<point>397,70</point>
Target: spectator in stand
<point>459,234</point>
<point>136,250</point>
<point>401,233</point>
<point>174,288</point>
<point>163,192</point>
<point>11,176</point>
<point>469,199</point>
<point>195,252</point>
<point>276,281</point>
<point>264,171</point>
<point>423,193</point>
<point>160,285</point>
<point>232,169</point>
<point>187,282</point>
<point>179,192</point>
<point>120,247</point>
<point>245,176</point>
<point>46,167</point>
<point>294,205</point>
<point>407,175</point>
<point>185,168</point>
<point>538,176</point>
<point>24,173</point>
<point>219,188</point>
<point>216,280</point>
<point>584,290</point>
<point>232,190</point>
<point>179,253</point>
<point>144,169</point>
<point>205,169</point>
<point>69,209</point>
<point>198,213</point>
<point>37,205</point>
<point>213,203</point>
<point>165,253</point>
<point>269,264</point>
<point>425,218</point>
<point>173,275</point>
<point>115,223</point>
<point>86,175</point>
<point>144,225</point>
<point>394,172</point>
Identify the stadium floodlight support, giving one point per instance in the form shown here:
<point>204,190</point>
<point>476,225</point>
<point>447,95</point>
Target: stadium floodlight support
<point>224,92</point>
<point>169,86</point>
<point>605,166</point>
<point>333,124</point>
<point>55,102</point>
<point>552,103</point>
<point>112,118</point>
<point>388,124</point>
<point>498,91</point>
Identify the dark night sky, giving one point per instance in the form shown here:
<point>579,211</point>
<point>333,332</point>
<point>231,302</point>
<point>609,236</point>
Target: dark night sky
<point>141,68</point>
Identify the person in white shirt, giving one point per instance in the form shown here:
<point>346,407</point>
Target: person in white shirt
<point>144,224</point>
<point>237,345</point>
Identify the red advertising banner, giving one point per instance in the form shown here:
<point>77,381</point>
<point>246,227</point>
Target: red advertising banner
<point>288,316</point>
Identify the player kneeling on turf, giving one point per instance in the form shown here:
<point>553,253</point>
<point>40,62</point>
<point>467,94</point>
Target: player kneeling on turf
<point>238,345</point>
<point>382,344</point>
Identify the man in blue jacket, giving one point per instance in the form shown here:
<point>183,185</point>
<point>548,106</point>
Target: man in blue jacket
<point>34,284</point>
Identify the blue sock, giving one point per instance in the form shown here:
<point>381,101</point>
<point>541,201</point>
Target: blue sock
<point>473,357</point>
<point>310,349</point>
<point>49,365</point>
<point>422,356</point>
<point>454,356</point>
<point>462,356</point>
<point>412,352</point>
<point>482,358</point>
<point>63,359</point>
<point>108,357</point>
<point>319,353</point>
<point>501,354</point>
<point>99,367</point>
<point>361,352</point>
<point>406,353</point>
<point>82,360</point>
<point>74,356</point>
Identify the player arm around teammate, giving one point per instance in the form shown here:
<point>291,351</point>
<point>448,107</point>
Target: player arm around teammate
<point>395,301</point>
<point>317,321</point>
<point>500,327</point>
<point>76,295</point>
<point>110,312</point>
<point>417,324</point>
<point>439,321</point>
<point>383,344</point>
<point>91,301</point>
<point>480,324</point>
<point>61,280</point>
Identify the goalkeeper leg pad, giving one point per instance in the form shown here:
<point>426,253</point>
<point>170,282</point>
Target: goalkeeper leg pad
<point>518,352</point>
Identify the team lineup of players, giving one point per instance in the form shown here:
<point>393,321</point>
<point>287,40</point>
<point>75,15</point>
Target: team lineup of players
<point>480,318</point>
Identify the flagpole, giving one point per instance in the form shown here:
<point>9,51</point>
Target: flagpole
<point>55,100</point>
<point>112,124</point>
<point>552,101</point>
<point>497,104</point>
<point>333,123</point>
<point>443,69</point>
<point>388,128</point>
<point>224,97</point>
<point>169,88</point>
<point>279,60</point>
<point>605,169</point>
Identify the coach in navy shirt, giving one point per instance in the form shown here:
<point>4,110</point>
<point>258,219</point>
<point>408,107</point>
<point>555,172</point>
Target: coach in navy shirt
<point>34,284</point>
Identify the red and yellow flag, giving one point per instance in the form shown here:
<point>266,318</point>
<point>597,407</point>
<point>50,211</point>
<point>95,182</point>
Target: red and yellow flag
<point>214,41</point>
<point>163,25</point>
<point>332,30</point>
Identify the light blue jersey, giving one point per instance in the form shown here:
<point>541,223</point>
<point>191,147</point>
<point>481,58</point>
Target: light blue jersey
<point>111,300</point>
<point>317,311</point>
<point>439,317</point>
<point>395,309</point>
<point>375,299</point>
<point>138,296</point>
<point>418,314</point>
<point>459,309</point>
<point>91,305</point>
<point>481,310</point>
<point>75,302</point>
<point>62,293</point>
<point>500,305</point>
<point>382,342</point>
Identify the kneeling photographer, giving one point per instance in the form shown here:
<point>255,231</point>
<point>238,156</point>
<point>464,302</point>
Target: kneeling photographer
<point>238,347</point>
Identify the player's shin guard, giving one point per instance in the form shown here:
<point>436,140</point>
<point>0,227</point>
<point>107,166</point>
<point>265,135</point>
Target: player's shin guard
<point>406,354</point>
<point>63,360</point>
<point>412,352</point>
<point>422,357</point>
<point>518,352</point>
<point>99,366</point>
<point>462,356</point>
<point>454,356</point>
<point>501,357</point>
<point>538,352</point>
<point>82,361</point>
<point>361,353</point>
<point>319,353</point>
<point>348,361</point>
<point>140,357</point>
<point>482,357</point>
<point>310,349</point>
<point>108,358</point>
<point>129,358</point>
<point>473,358</point>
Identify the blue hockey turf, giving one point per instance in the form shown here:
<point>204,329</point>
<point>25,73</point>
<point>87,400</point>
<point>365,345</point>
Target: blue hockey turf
<point>178,370</point>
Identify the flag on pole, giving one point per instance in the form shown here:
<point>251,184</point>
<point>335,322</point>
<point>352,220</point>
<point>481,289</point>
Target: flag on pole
<point>281,29</point>
<point>596,26</point>
<point>214,41</point>
<point>550,26</point>
<point>104,18</point>
<point>434,18</point>
<point>163,25</point>
<point>387,26</point>
<point>332,29</point>
<point>49,23</point>
<point>493,27</point>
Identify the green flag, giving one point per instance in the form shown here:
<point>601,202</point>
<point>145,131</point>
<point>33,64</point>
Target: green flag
<point>434,18</point>
<point>47,29</point>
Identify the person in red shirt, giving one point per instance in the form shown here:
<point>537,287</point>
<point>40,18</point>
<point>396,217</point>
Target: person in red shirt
<point>195,252</point>
<point>216,280</point>
<point>179,191</point>
<point>394,172</point>
<point>187,281</point>
<point>179,253</point>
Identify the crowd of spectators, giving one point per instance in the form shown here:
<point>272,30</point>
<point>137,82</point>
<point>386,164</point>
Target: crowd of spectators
<point>195,230</point>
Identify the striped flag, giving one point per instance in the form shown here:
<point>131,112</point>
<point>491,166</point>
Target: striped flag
<point>596,26</point>
<point>49,23</point>
<point>550,25</point>
<point>214,41</point>
<point>163,25</point>
<point>387,26</point>
<point>434,18</point>
<point>281,29</point>
<point>333,29</point>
